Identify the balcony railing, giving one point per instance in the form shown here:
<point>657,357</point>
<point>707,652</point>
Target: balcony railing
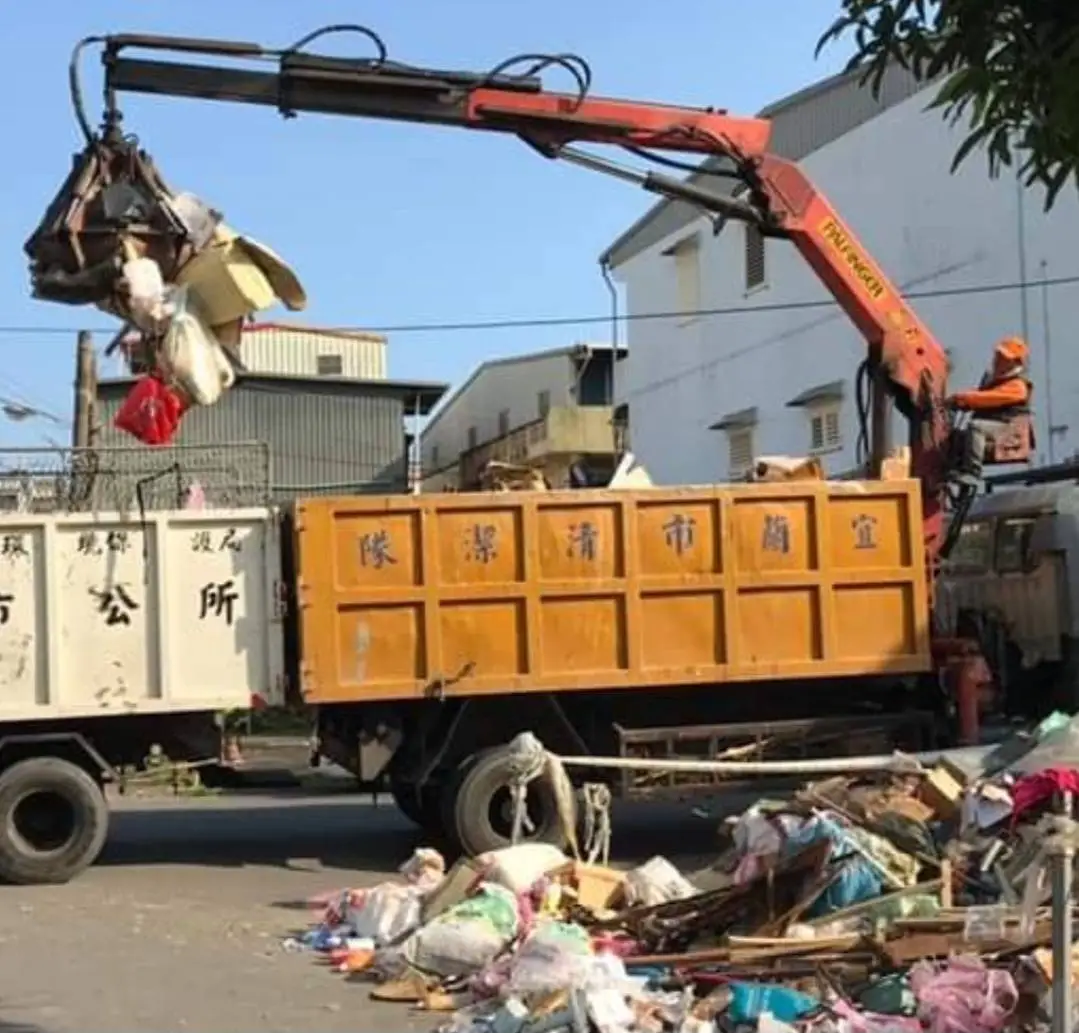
<point>565,430</point>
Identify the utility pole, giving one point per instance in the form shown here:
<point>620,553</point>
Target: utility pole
<point>84,431</point>
<point>85,391</point>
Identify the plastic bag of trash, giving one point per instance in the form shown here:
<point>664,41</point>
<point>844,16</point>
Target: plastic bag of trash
<point>192,356</point>
<point>657,882</point>
<point>468,936</point>
<point>554,956</point>
<point>388,912</point>
<point>151,412</point>
<point>609,1011</point>
<point>385,913</point>
<point>147,297</point>
<point>426,868</point>
<point>750,1000</point>
<point>518,867</point>
<point>197,217</point>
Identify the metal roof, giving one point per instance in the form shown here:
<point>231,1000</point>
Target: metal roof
<point>737,419</point>
<point>419,397</point>
<point>832,391</point>
<point>801,123</point>
<point>1041,498</point>
<point>322,331</point>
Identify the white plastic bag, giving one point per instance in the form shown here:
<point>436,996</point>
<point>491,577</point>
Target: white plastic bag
<point>147,296</point>
<point>386,913</point>
<point>657,882</point>
<point>518,867</point>
<point>192,357</point>
<point>425,869</point>
<point>609,1011</point>
<point>554,956</point>
<point>198,218</point>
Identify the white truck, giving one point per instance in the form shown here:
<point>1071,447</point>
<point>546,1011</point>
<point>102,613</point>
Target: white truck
<point>119,633</point>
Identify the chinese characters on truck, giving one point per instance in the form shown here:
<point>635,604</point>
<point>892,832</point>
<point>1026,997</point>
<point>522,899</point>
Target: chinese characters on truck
<point>116,601</point>
<point>480,541</point>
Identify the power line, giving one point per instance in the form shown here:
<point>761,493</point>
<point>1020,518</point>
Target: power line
<point>608,318</point>
<point>729,310</point>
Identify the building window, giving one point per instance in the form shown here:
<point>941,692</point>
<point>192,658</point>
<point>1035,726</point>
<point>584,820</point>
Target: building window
<point>503,423</point>
<point>739,451</point>
<point>434,457</point>
<point>543,404</point>
<point>824,429</point>
<point>755,270</point>
<point>687,274</point>
<point>329,365</point>
<point>1014,554</point>
<point>473,437</point>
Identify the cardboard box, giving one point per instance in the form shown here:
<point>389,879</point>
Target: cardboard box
<point>234,276</point>
<point>598,888</point>
<point>942,791</point>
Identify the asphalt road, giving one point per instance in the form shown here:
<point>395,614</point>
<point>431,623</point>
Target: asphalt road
<point>180,925</point>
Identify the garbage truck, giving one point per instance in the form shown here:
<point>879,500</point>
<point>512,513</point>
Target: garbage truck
<point>120,635</point>
<point>427,631</point>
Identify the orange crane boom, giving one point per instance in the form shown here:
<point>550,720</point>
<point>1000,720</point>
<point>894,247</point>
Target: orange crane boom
<point>904,358</point>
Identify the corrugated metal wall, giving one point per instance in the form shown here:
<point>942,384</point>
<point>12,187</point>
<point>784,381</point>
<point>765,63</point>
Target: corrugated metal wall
<point>323,438</point>
<point>278,348</point>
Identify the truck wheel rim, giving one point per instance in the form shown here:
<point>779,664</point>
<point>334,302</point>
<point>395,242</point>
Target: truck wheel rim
<point>43,821</point>
<point>500,812</point>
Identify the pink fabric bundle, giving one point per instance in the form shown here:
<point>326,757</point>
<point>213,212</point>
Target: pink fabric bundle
<point>963,995</point>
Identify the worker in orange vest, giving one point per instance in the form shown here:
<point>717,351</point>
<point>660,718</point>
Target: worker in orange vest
<point>1005,386</point>
<point>1003,390</point>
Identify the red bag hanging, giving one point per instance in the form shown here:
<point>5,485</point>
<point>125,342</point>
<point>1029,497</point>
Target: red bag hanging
<point>151,412</point>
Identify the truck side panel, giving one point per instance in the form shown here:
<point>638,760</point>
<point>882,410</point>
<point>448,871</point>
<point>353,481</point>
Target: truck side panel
<point>407,596</point>
<point>112,614</point>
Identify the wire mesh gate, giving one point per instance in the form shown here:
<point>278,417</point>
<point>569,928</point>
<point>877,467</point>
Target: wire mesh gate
<point>134,479</point>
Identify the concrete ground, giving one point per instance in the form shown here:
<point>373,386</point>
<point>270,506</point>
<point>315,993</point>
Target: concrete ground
<point>180,925</point>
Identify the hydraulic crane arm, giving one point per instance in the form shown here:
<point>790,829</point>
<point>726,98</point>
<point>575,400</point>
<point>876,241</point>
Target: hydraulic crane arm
<point>775,194</point>
<point>780,197</point>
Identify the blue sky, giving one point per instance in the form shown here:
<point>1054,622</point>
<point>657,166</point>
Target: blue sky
<point>386,224</point>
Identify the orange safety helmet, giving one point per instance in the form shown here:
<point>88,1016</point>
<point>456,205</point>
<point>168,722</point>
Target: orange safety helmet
<point>1011,351</point>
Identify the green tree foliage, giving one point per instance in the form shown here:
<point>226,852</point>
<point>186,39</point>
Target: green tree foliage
<point>1008,70</point>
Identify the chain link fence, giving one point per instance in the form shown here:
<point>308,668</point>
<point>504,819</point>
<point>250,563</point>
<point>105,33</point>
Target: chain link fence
<point>134,479</point>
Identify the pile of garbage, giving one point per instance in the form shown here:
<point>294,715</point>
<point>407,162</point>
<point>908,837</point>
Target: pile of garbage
<point>886,903</point>
<point>166,264</point>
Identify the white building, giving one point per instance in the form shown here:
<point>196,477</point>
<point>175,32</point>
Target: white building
<point>706,392</point>
<point>533,407</point>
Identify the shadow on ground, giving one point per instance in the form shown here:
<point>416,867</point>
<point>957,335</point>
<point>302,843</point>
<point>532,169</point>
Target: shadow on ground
<point>9,1025</point>
<point>346,831</point>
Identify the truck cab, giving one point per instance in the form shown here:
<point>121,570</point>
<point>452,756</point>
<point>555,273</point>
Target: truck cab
<point>1012,580</point>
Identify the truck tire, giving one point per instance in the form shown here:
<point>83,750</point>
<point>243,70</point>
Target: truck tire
<point>53,821</point>
<point>479,807</point>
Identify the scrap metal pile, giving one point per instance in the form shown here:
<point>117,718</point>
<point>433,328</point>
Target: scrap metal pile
<point>878,904</point>
<point>183,282</point>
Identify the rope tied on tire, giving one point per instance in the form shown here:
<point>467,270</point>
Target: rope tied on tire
<point>529,761</point>
<point>597,822</point>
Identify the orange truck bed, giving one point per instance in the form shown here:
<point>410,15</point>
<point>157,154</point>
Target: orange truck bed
<point>404,596</point>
